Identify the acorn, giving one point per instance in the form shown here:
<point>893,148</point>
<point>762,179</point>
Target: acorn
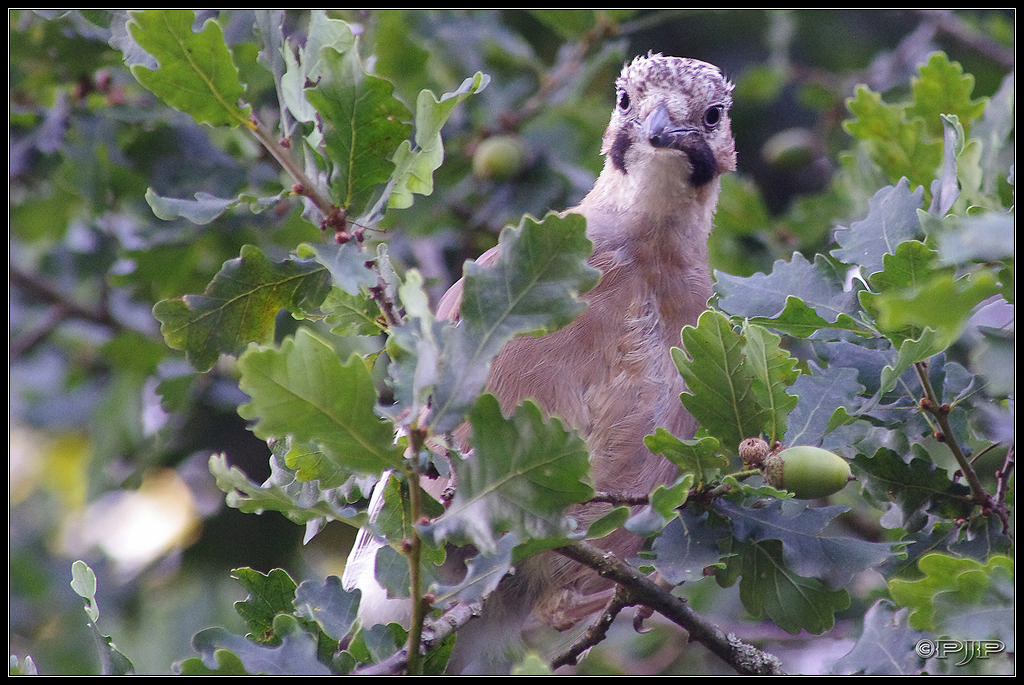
<point>807,472</point>
<point>499,157</point>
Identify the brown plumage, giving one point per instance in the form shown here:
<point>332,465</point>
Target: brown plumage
<point>609,374</point>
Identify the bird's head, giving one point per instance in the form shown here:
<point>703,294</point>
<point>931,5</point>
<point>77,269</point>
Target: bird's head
<point>671,118</point>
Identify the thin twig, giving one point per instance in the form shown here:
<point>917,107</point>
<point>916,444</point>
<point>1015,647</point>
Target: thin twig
<point>597,631</point>
<point>940,411</point>
<point>416,580</point>
<point>743,657</point>
<point>306,185</point>
<point>619,498</point>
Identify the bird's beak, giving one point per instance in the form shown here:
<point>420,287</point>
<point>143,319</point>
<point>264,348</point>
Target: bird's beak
<point>659,130</point>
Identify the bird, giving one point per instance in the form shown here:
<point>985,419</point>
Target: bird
<point>609,374</point>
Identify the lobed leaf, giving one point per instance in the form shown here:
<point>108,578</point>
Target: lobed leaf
<point>768,588</point>
<point>414,348</point>
<point>523,474</point>
<point>807,548</point>
<point>483,574</point>
<point>774,371</point>
<point>239,305</point>
<point>363,125</point>
<point>892,219</point>
<point>886,645</point>
<point>269,594</point>
<point>304,391</point>
<point>895,142</point>
<point>305,502</point>
<point>986,237</point>
<point>796,318</point>
<point>700,457</point>
<point>735,381</point>
<point>112,661</point>
<point>816,284</point>
<point>415,161</point>
<point>959,596</point>
<point>688,547</point>
<point>819,395</point>
<point>913,294</point>
<point>307,62</point>
<point>327,603</point>
<point>205,207</point>
<point>912,486</point>
<point>196,74</point>
<point>942,88</point>
<point>533,288</point>
<point>665,500</point>
<point>295,655</point>
<point>348,264</point>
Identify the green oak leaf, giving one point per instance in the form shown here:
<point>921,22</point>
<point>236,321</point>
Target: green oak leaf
<point>329,604</point>
<point>820,395</point>
<point>295,655</point>
<point>942,88</point>
<point>349,314</point>
<point>303,390</point>
<point>688,548</point>
<point>306,62</point>
<point>112,661</point>
<point>988,237</point>
<point>363,126</point>
<point>885,646</point>
<point>417,160</point>
<point>532,289</point>
<point>204,208</point>
<point>305,502</point>
<point>895,141</point>
<point>239,305</point>
<point>665,500</point>
<point>768,587</point>
<point>808,548</point>
<point>796,318</point>
<point>908,296</point>
<point>196,74</point>
<point>892,219</point>
<point>523,474</point>
<point>736,381</point>
<point>911,486</point>
<point>817,284</point>
<point>222,662</point>
<point>269,594</point>
<point>348,264</point>
<point>700,457</point>
<point>954,586</point>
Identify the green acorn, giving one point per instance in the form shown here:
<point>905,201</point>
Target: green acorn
<point>499,157</point>
<point>807,472</point>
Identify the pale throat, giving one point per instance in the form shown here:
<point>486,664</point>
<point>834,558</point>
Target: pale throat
<point>656,184</point>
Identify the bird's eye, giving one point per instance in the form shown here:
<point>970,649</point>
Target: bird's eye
<point>623,100</point>
<point>713,116</point>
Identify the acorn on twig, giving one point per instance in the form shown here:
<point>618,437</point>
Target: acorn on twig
<point>807,472</point>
